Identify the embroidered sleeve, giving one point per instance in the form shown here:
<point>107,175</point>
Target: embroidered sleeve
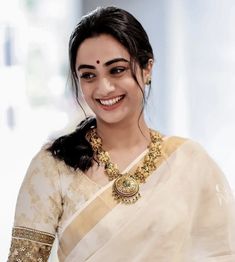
<point>30,245</point>
<point>38,211</point>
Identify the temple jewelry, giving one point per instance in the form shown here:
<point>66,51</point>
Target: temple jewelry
<point>148,80</point>
<point>126,186</point>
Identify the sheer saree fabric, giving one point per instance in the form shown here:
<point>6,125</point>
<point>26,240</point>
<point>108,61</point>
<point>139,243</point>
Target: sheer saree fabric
<point>185,213</point>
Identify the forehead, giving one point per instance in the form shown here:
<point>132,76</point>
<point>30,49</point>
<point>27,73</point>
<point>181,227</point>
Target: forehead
<point>103,47</point>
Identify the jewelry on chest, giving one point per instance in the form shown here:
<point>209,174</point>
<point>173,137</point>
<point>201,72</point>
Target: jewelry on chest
<point>126,186</point>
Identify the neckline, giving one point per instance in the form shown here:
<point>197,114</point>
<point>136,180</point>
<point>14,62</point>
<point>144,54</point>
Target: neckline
<point>138,158</point>
<point>128,168</point>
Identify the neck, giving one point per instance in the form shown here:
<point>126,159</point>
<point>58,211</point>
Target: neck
<point>125,135</point>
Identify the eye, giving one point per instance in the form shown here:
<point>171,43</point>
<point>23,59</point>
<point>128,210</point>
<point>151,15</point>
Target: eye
<point>117,70</point>
<point>87,76</point>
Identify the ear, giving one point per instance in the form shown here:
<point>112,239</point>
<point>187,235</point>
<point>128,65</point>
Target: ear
<point>147,72</point>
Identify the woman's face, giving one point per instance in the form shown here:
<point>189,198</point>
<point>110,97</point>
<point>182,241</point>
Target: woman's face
<point>108,87</point>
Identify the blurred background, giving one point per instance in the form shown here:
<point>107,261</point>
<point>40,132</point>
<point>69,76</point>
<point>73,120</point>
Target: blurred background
<point>193,85</point>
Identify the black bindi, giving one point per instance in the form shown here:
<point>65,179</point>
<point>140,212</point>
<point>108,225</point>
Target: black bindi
<point>97,61</point>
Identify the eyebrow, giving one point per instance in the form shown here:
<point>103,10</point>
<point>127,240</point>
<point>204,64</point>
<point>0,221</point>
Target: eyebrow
<point>115,60</point>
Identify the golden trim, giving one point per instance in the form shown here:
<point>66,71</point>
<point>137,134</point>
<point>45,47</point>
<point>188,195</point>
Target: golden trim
<point>30,245</point>
<point>33,235</point>
<point>86,220</point>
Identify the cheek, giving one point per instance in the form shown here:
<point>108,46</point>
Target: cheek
<point>128,83</point>
<point>134,89</point>
<point>87,98</point>
<point>85,91</point>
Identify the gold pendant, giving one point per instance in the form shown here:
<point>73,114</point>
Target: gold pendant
<point>126,189</point>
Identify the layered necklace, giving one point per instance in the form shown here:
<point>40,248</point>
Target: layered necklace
<point>126,186</point>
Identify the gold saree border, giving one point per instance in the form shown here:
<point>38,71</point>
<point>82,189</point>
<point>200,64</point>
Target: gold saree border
<point>33,235</point>
<point>102,205</point>
<point>29,245</point>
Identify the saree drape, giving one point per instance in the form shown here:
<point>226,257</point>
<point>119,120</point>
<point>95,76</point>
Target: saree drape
<point>185,213</point>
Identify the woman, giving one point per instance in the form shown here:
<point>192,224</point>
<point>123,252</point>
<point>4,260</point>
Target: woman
<point>115,190</point>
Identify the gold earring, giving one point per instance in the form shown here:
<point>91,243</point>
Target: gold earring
<point>148,80</point>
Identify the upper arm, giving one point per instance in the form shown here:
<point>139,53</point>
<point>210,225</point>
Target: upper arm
<point>38,209</point>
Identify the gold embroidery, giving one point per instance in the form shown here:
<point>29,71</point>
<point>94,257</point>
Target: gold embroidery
<point>30,245</point>
<point>31,234</point>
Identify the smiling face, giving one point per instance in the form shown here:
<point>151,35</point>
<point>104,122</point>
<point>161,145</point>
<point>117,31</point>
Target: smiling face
<point>108,87</point>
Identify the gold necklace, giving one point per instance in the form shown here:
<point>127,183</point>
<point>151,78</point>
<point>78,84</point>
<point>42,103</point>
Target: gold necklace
<point>126,186</point>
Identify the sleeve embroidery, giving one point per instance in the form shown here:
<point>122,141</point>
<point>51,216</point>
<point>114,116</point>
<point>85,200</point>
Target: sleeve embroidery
<point>29,245</point>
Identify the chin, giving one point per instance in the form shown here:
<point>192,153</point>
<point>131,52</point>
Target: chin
<point>109,121</point>
<point>118,120</point>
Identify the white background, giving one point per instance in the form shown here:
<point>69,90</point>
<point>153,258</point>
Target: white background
<point>193,86</point>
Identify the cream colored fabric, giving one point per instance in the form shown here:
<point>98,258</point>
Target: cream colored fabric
<point>186,212</point>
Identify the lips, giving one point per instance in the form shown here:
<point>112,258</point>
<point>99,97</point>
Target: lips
<point>111,101</point>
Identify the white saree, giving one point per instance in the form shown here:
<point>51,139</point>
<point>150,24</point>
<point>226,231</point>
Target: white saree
<point>185,213</point>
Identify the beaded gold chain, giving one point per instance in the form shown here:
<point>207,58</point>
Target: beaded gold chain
<point>126,186</point>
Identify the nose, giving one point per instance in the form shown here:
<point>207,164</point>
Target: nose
<point>105,87</point>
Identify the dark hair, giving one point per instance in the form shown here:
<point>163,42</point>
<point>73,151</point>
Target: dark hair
<point>74,149</point>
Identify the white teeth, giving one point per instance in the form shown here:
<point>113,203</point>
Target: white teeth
<point>110,102</point>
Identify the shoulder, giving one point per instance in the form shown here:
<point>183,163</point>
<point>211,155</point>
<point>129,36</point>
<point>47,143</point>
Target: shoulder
<point>45,167</point>
<point>184,146</point>
<point>191,159</point>
<point>42,170</point>
<point>43,158</point>
<point>172,143</point>
<point>191,153</point>
<point>44,174</point>
<point>46,161</point>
